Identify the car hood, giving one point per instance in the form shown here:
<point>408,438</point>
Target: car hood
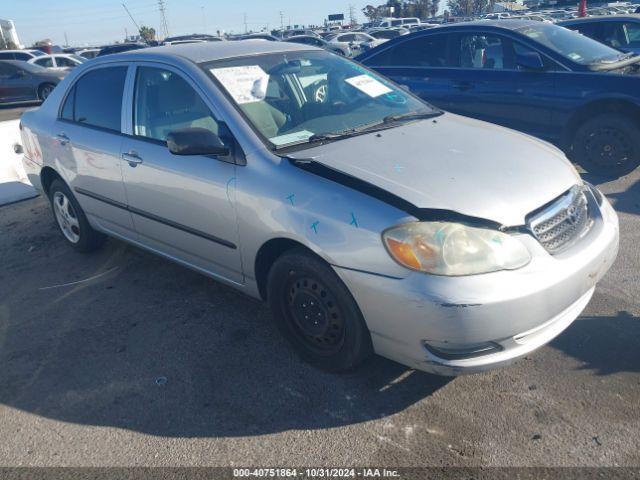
<point>455,163</point>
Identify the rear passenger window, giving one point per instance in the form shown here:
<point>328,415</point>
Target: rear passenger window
<point>164,102</point>
<point>23,57</point>
<point>426,51</point>
<point>98,98</point>
<point>486,52</point>
<point>67,109</point>
<point>7,56</point>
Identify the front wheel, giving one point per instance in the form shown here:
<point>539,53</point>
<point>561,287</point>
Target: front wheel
<point>608,145</point>
<point>45,90</point>
<point>316,313</point>
<point>71,220</point>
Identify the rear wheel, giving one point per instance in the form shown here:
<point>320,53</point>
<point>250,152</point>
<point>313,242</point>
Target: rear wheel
<point>608,145</point>
<point>45,90</point>
<point>316,313</point>
<point>71,220</point>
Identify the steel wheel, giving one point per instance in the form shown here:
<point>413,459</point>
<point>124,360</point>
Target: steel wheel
<point>66,217</point>
<point>318,321</point>
<point>609,147</point>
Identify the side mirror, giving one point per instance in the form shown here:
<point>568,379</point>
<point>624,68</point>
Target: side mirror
<point>196,141</point>
<point>530,61</point>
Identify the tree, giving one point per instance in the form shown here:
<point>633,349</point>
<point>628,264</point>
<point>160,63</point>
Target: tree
<point>372,13</point>
<point>467,8</point>
<point>148,34</point>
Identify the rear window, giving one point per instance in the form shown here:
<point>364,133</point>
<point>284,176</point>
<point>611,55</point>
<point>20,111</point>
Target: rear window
<point>424,51</point>
<point>96,99</point>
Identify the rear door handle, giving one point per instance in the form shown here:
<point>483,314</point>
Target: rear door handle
<point>62,138</point>
<point>132,158</point>
<point>463,86</point>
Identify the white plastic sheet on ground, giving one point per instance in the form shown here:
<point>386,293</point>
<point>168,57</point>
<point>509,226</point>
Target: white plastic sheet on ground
<point>14,185</point>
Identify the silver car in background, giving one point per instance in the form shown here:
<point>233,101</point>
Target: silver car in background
<point>369,220</point>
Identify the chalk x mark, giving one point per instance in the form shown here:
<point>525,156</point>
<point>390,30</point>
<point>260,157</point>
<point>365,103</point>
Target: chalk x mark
<point>354,221</point>
<point>291,197</point>
<point>314,226</point>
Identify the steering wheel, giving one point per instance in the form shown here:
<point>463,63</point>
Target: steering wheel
<point>394,98</point>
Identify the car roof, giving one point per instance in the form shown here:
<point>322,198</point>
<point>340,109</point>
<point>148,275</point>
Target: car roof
<point>209,51</point>
<point>602,18</point>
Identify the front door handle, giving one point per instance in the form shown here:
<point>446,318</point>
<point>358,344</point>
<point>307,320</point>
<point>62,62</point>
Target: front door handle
<point>132,158</point>
<point>62,138</point>
<point>463,86</point>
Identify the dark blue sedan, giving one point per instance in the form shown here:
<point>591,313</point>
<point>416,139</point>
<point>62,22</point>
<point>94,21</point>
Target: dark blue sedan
<point>531,76</point>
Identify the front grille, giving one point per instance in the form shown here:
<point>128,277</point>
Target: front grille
<point>566,220</point>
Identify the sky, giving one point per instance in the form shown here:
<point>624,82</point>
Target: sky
<point>95,22</point>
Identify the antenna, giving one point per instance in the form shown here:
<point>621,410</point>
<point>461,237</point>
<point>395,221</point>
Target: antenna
<point>163,15</point>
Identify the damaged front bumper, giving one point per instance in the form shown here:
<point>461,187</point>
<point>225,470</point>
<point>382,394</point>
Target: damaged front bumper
<point>458,325</point>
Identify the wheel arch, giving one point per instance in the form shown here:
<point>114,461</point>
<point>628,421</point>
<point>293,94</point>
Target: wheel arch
<point>618,106</point>
<point>269,252</point>
<point>47,176</point>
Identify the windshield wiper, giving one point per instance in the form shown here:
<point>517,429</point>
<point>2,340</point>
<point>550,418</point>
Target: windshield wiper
<point>386,123</point>
<point>411,116</point>
<point>622,61</point>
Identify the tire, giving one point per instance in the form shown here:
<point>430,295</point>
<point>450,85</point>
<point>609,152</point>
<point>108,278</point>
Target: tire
<point>71,220</point>
<point>302,288</point>
<point>45,90</point>
<point>608,145</point>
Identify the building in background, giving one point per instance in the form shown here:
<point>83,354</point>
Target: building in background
<point>8,34</point>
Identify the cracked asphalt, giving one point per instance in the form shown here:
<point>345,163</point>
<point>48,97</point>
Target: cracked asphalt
<point>150,364</point>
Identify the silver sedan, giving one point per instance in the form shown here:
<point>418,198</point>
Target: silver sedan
<point>369,220</point>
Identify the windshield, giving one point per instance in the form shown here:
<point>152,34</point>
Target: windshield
<point>290,97</point>
<point>570,44</point>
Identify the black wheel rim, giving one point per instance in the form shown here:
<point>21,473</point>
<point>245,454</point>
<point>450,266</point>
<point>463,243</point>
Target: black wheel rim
<point>315,316</point>
<point>609,147</point>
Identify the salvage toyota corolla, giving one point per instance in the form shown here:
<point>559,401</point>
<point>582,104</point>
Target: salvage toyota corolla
<point>369,220</point>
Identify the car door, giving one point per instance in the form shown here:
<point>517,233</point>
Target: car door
<point>182,206</point>
<point>488,84</point>
<point>15,84</point>
<point>420,64</point>
<point>88,138</point>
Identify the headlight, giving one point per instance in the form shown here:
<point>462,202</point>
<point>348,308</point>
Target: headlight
<point>452,249</point>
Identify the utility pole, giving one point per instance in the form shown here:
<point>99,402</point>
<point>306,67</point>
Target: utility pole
<point>204,21</point>
<point>131,17</point>
<point>244,16</point>
<point>281,22</point>
<point>163,15</point>
<point>66,39</point>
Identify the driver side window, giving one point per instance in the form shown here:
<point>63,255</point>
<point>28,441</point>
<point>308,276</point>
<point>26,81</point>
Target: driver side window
<point>165,102</point>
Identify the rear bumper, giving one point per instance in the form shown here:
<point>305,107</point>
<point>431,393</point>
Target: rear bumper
<point>458,325</point>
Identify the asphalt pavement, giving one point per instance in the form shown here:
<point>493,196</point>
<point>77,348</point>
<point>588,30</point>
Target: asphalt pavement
<point>121,358</point>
